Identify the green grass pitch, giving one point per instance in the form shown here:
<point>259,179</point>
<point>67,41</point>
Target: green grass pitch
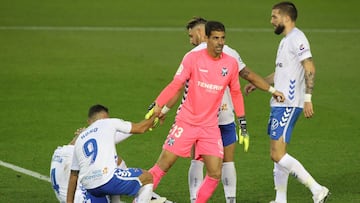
<point>51,71</point>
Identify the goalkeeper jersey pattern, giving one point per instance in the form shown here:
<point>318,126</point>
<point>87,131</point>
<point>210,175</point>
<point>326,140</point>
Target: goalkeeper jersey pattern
<point>95,154</point>
<point>289,73</point>
<point>226,109</point>
<point>207,79</point>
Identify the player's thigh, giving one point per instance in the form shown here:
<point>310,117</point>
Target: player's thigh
<point>213,166</point>
<point>209,142</point>
<point>229,153</point>
<point>181,138</point>
<point>277,149</point>
<point>166,160</point>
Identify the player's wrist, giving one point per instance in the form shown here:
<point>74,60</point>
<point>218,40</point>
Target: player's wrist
<point>165,109</point>
<point>242,123</point>
<point>271,89</point>
<point>152,105</point>
<point>307,98</point>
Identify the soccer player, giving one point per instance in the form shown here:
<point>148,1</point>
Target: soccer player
<point>95,159</point>
<point>196,32</point>
<point>207,73</point>
<point>294,75</point>
<point>60,171</point>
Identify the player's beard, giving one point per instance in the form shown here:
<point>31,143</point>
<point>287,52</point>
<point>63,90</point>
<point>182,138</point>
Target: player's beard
<point>279,29</point>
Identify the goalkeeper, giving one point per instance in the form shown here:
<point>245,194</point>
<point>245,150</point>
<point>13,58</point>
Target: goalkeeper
<point>196,31</point>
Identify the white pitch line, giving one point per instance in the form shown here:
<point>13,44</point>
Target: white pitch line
<point>25,171</point>
<point>157,29</point>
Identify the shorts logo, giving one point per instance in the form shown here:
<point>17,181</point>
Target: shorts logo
<point>171,141</point>
<point>274,124</point>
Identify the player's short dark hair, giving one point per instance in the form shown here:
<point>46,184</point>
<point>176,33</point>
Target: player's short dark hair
<point>97,108</point>
<point>194,21</point>
<point>287,8</point>
<point>213,26</point>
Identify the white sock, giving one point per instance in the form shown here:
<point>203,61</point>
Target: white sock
<point>228,178</point>
<point>281,176</point>
<point>299,172</point>
<point>144,194</point>
<point>122,165</point>
<point>196,176</point>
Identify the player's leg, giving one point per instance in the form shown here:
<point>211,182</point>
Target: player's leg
<point>178,143</point>
<point>117,199</point>
<point>212,178</point>
<point>302,175</point>
<point>209,146</point>
<point>163,164</point>
<point>131,181</point>
<point>281,174</point>
<point>228,175</point>
<point>145,192</point>
<point>281,135</point>
<point>121,165</point>
<point>195,175</point>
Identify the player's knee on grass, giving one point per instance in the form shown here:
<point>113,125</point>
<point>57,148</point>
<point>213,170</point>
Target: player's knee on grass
<point>146,177</point>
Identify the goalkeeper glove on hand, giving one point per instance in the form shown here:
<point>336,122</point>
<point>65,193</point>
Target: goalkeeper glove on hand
<point>243,134</point>
<point>150,113</point>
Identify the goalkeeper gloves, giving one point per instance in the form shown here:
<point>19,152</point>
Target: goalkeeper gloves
<point>243,134</point>
<point>150,113</point>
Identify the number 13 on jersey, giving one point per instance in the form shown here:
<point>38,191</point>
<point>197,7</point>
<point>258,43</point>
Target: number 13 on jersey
<point>176,131</point>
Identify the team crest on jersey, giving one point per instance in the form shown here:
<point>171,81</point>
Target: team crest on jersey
<point>224,71</point>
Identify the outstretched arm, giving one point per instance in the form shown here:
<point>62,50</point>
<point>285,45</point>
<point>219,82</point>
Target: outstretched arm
<point>262,83</point>
<point>142,126</point>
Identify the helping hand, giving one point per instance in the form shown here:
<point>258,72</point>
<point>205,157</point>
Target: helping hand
<point>150,113</point>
